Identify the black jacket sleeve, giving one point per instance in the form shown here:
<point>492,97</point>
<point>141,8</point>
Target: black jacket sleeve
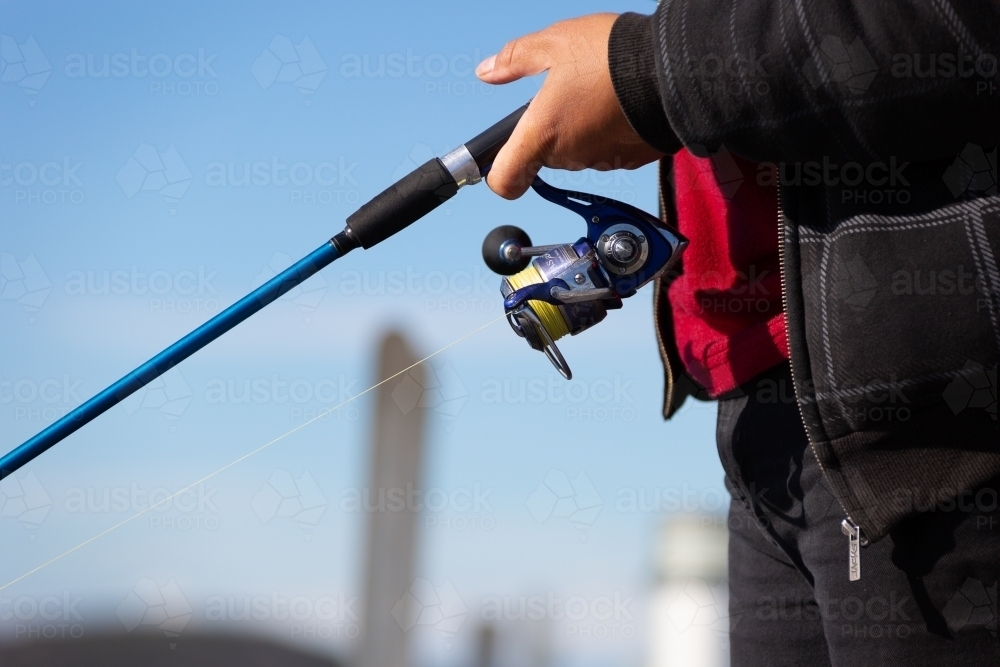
<point>777,80</point>
<point>634,76</point>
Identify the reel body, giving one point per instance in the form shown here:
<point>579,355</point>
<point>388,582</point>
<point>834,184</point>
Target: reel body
<point>568,288</point>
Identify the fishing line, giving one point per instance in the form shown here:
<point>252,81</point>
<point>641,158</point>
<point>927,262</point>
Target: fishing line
<point>244,457</point>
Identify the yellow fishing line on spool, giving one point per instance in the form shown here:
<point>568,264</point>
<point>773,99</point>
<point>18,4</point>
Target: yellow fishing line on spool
<point>549,315</point>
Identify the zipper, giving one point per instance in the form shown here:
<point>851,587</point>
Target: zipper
<point>853,532</point>
<point>848,526</point>
<point>668,392</point>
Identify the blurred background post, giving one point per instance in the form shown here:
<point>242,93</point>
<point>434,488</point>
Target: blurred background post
<point>396,456</point>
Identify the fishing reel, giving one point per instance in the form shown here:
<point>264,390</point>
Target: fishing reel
<point>554,290</point>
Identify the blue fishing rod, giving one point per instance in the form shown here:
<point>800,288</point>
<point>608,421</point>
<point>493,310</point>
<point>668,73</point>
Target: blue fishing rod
<point>549,291</point>
<point>403,203</point>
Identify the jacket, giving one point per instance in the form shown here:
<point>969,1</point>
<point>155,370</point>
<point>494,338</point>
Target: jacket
<point>879,123</point>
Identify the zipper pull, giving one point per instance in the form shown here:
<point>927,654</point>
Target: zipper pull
<point>853,532</point>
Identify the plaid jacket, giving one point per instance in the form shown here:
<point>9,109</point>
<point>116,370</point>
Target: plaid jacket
<point>879,123</point>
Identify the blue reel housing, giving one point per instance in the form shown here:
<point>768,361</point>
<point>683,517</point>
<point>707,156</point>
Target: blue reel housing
<point>625,248</point>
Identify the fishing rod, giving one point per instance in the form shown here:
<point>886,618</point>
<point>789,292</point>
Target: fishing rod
<point>549,291</point>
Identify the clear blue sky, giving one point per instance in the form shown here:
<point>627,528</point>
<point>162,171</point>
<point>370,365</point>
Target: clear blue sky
<point>128,218</point>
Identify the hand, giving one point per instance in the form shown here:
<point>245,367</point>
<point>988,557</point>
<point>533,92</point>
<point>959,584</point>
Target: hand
<point>574,121</point>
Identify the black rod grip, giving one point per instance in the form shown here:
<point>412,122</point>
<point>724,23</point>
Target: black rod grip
<point>424,189</point>
<point>403,203</point>
<point>485,146</point>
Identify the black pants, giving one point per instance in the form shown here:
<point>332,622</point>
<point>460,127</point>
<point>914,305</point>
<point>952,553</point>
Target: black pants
<point>927,593</point>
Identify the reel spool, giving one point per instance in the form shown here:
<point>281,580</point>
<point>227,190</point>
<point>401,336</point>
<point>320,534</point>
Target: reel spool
<point>568,288</point>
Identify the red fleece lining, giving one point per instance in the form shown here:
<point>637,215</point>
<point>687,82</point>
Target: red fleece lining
<point>728,318</point>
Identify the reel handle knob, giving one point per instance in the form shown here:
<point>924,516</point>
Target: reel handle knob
<point>502,250</point>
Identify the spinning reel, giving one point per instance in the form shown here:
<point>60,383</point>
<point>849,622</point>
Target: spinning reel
<point>570,287</point>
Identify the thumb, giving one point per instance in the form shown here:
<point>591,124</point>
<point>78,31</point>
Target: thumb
<point>525,56</point>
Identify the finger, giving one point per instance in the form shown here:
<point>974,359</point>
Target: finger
<point>518,162</point>
<point>525,56</point>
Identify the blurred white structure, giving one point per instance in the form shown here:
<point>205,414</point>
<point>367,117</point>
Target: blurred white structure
<point>689,615</point>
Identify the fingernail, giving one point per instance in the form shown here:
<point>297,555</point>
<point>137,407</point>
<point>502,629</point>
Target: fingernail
<point>486,66</point>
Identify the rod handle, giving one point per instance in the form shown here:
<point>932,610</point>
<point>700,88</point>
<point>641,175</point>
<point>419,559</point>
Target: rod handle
<point>403,203</point>
<point>485,146</point>
<point>425,188</point>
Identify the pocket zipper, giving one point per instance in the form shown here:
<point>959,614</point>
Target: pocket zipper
<point>848,526</point>
<point>853,533</point>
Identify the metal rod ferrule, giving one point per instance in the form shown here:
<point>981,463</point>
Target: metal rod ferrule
<point>462,166</point>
